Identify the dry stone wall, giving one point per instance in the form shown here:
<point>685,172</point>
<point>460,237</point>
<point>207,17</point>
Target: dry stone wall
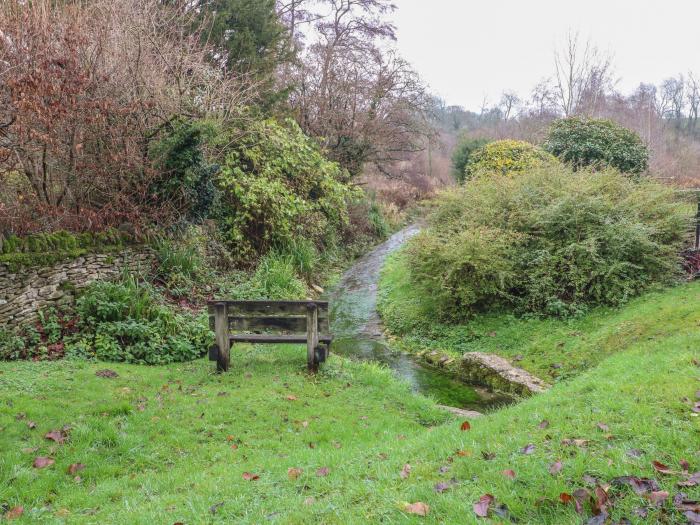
<point>26,291</point>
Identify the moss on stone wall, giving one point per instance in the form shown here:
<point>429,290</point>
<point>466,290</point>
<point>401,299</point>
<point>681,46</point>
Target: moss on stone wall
<point>62,241</point>
<point>46,249</point>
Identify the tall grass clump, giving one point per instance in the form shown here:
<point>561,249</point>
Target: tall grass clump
<point>550,241</point>
<point>276,278</point>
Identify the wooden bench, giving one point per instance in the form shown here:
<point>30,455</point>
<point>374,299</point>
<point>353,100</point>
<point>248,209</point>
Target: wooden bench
<point>287,322</point>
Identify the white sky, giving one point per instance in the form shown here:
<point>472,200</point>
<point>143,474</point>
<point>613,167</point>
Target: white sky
<point>467,50</point>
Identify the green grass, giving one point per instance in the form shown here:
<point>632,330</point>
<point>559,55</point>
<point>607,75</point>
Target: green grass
<point>156,441</point>
<point>550,348</point>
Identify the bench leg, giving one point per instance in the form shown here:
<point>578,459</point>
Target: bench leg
<point>311,337</point>
<point>321,353</point>
<point>222,339</point>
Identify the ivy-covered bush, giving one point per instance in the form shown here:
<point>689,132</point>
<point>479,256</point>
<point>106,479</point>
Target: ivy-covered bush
<point>463,151</point>
<point>597,143</point>
<point>277,187</point>
<point>507,157</point>
<point>550,241</point>
<point>186,178</point>
<point>124,322</point>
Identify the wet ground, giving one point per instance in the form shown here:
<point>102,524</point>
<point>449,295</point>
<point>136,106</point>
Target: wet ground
<point>358,333</point>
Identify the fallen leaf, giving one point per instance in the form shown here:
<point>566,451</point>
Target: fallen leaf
<point>14,513</point>
<point>661,468</point>
<point>658,497</point>
<point>250,477</point>
<point>685,466</point>
<point>601,499</point>
<point>555,468</point>
<point>463,453</point>
<point>56,435</point>
<point>294,473</point>
<point>106,373</point>
<point>42,462</point>
<point>481,507</point>
<point>31,425</point>
<point>75,467</point>
<point>693,480</point>
<point>692,517</point>
<point>528,449</point>
<point>419,508</point>
<point>291,398</point>
<point>581,496</point>
<point>590,479</point>
<point>509,473</point>
<point>639,485</point>
<point>603,427</point>
<point>405,471</point>
<point>576,442</point>
<point>641,512</point>
<point>634,453</point>
<point>565,498</point>
<point>488,456</point>
<point>465,426</point>
<point>322,472</point>
<point>441,487</point>
<point>598,519</point>
<point>543,424</point>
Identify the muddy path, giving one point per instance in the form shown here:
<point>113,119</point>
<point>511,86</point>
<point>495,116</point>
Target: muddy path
<point>358,332</point>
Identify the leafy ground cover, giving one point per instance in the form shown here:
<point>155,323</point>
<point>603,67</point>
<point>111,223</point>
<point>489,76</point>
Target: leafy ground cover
<point>89,442</point>
<point>553,349</point>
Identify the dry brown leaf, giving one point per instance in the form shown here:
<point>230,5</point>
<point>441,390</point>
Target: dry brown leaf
<point>419,508</point>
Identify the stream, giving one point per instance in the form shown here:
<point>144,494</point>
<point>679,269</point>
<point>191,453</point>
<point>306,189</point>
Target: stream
<point>358,334</point>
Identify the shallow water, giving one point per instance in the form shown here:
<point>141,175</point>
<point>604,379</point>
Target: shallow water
<point>358,333</point>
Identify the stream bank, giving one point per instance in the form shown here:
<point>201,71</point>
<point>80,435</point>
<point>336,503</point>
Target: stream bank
<point>358,334</point>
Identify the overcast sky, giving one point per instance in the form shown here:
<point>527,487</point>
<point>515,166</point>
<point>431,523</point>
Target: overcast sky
<point>467,50</point>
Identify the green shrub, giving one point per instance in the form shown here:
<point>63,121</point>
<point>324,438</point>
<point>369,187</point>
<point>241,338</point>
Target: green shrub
<point>12,345</point>
<point>463,151</point>
<point>507,157</point>
<point>187,178</point>
<point>278,187</point>
<point>124,322</point>
<point>550,241</point>
<point>597,143</point>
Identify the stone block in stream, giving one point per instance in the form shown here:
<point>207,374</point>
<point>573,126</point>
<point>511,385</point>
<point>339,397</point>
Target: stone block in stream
<point>497,373</point>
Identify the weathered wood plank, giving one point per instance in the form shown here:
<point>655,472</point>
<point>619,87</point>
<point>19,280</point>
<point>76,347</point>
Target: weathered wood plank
<point>311,336</point>
<point>296,324</point>
<point>222,337</point>
<point>276,338</point>
<point>273,308</point>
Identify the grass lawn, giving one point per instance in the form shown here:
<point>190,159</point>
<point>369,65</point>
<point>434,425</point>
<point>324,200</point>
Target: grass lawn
<point>172,444</point>
<point>549,348</point>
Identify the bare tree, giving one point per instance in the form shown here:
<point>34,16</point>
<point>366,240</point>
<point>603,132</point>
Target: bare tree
<point>693,99</point>
<point>359,97</point>
<point>509,103</point>
<point>583,77</point>
<point>673,98</point>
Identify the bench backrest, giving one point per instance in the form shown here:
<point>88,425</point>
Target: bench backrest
<point>273,317</point>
